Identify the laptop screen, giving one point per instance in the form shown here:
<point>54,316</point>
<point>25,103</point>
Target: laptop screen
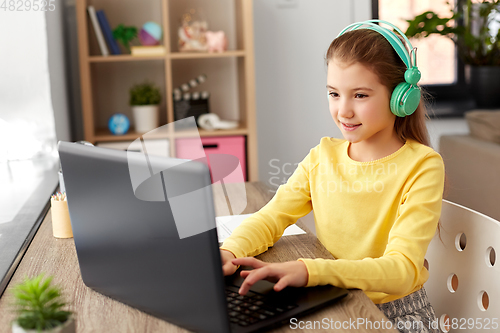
<point>131,249</point>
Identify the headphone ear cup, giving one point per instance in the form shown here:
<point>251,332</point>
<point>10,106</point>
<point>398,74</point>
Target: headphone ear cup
<point>411,100</point>
<point>404,99</point>
<point>396,96</point>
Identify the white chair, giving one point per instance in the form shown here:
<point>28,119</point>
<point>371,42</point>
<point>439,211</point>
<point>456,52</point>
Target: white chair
<point>464,281</point>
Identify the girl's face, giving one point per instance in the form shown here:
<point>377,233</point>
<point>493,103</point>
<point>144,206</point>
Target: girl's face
<point>356,97</point>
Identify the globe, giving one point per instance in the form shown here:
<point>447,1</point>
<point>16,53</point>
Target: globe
<point>150,33</point>
<point>118,124</point>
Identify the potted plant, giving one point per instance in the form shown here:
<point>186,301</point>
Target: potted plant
<point>39,307</point>
<point>145,99</point>
<point>124,35</point>
<point>477,41</point>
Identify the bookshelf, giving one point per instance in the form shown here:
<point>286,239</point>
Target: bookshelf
<point>106,80</point>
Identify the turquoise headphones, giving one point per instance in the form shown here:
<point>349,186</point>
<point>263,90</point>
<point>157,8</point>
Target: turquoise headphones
<point>406,95</point>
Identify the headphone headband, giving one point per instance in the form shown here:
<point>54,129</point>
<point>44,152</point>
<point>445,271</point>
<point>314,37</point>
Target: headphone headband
<point>406,95</point>
<point>391,37</point>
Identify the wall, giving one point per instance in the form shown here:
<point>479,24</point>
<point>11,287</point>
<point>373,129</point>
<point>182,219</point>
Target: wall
<point>73,70</point>
<point>57,71</point>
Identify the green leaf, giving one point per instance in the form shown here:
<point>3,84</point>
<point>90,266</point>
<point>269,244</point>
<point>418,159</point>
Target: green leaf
<point>426,24</point>
<point>125,34</point>
<point>145,94</point>
<point>481,48</point>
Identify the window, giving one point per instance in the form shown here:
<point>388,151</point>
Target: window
<point>27,127</point>
<point>435,54</point>
<point>442,70</point>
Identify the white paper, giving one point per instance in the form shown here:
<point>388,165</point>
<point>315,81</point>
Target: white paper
<point>226,225</point>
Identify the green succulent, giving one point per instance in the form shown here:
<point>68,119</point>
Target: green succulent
<point>145,94</point>
<point>476,44</point>
<point>39,304</point>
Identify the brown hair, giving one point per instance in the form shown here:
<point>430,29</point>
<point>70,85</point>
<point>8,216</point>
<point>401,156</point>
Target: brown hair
<point>371,49</point>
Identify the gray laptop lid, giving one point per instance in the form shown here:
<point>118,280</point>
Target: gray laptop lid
<point>129,249</point>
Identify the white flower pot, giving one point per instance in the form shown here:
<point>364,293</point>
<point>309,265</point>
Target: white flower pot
<point>146,117</point>
<point>67,327</point>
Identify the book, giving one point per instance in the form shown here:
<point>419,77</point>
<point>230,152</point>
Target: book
<point>97,30</point>
<point>141,51</point>
<point>106,29</point>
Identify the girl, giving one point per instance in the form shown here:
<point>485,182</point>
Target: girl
<point>376,194</point>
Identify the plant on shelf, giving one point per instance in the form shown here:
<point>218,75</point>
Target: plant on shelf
<point>145,94</point>
<point>124,35</point>
<point>144,100</point>
<point>477,41</point>
<point>38,305</point>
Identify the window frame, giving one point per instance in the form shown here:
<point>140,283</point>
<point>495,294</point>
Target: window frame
<point>447,100</point>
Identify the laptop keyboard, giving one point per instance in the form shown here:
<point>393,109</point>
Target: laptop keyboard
<point>252,308</point>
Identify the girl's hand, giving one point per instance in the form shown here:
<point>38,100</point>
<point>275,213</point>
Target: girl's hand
<point>290,273</point>
<point>227,267</point>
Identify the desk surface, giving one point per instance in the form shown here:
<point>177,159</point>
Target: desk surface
<point>99,313</point>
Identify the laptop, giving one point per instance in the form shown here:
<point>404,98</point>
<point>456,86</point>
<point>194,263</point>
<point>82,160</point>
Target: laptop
<point>130,249</point>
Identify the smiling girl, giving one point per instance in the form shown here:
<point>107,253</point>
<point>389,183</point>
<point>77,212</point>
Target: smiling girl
<point>378,205</point>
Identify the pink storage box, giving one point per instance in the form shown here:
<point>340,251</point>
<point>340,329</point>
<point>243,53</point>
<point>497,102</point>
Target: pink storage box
<point>232,145</point>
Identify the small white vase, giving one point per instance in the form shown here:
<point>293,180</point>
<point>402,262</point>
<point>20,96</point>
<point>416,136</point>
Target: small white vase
<point>146,117</point>
<point>68,327</point>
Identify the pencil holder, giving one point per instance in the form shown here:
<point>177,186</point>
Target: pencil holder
<point>61,223</point>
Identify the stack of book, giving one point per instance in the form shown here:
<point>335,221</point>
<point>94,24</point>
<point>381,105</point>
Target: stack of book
<point>101,26</point>
<point>105,38</point>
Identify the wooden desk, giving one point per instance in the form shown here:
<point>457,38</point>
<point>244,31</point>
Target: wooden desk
<point>99,313</point>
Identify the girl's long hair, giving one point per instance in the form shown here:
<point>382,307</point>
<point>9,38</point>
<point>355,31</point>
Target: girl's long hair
<point>371,49</point>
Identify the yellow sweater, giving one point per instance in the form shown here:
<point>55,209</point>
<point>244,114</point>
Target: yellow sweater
<point>376,218</point>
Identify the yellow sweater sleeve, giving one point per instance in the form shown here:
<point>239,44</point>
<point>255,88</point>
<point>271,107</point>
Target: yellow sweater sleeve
<point>399,271</point>
<point>264,228</point>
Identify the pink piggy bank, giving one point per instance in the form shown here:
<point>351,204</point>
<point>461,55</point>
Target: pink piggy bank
<point>216,41</point>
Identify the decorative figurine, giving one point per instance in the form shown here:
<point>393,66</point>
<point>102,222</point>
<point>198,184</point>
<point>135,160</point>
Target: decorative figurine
<point>216,41</point>
<point>192,32</point>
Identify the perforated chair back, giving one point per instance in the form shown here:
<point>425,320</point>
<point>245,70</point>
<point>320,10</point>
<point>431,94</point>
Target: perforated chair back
<point>464,281</point>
